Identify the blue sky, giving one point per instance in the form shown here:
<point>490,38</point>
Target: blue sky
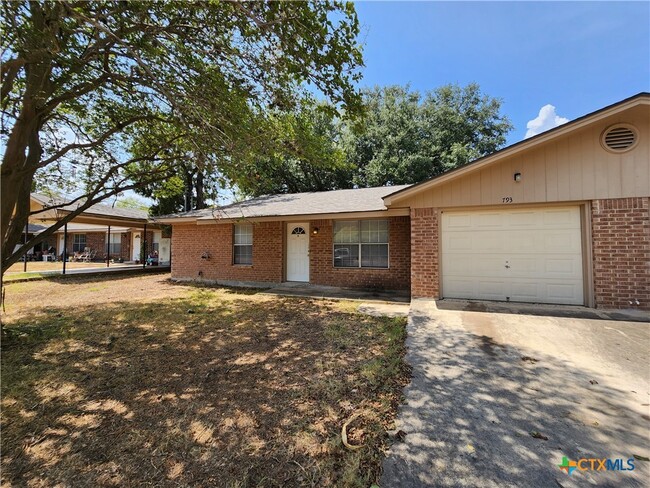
<point>578,56</point>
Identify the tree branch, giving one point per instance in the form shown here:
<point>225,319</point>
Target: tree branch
<point>70,147</point>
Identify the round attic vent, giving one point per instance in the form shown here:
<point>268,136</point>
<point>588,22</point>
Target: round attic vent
<point>619,138</point>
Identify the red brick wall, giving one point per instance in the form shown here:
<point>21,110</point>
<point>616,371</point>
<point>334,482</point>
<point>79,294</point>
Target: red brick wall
<point>396,277</point>
<point>190,241</point>
<point>425,253</point>
<point>621,252</point>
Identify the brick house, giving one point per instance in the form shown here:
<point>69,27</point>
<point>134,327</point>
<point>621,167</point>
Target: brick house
<point>109,233</point>
<point>562,217</point>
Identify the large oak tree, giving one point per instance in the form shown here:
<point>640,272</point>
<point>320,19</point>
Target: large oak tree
<point>408,137</point>
<point>84,83</point>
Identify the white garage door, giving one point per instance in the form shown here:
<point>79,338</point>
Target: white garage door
<point>519,255</point>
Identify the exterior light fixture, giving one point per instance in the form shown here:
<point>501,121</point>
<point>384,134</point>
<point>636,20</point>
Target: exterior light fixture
<point>517,177</point>
<point>315,231</point>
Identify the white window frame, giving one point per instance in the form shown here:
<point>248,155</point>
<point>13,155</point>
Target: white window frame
<point>115,239</point>
<point>235,244</point>
<point>76,244</point>
<point>360,244</point>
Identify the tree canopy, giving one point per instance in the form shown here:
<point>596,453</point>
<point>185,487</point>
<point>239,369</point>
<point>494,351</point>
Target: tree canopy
<point>408,137</point>
<point>97,96</point>
<point>306,155</point>
<point>404,137</point>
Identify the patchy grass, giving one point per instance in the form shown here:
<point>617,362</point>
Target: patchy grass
<point>36,266</point>
<point>176,385</point>
<point>22,276</point>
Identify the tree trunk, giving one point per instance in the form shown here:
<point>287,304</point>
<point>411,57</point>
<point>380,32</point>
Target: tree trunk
<point>23,150</point>
<point>200,190</point>
<point>189,187</point>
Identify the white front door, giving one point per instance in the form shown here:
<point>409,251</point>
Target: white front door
<point>518,255</point>
<point>136,246</point>
<point>298,252</point>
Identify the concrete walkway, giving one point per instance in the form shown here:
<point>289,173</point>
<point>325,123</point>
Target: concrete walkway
<point>296,289</point>
<point>500,394</point>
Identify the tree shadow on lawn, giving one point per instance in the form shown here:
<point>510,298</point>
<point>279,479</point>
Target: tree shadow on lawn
<point>198,392</point>
<point>475,408</point>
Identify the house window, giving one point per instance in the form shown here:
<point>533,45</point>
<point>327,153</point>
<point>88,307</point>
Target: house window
<point>361,244</point>
<point>79,243</point>
<point>243,244</point>
<point>115,244</point>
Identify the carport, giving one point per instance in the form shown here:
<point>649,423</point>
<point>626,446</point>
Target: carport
<point>119,237</point>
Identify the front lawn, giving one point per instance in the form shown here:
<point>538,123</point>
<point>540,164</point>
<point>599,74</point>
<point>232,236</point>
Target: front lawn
<point>139,382</point>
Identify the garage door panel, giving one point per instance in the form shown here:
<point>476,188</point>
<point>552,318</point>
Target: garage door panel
<point>562,293</point>
<point>524,266</point>
<point>519,241</point>
<point>491,289</point>
<point>561,218</point>
<point>462,288</point>
<point>532,255</point>
<point>526,220</point>
<point>563,267</point>
<point>523,291</point>
<point>459,221</point>
<point>488,220</point>
<point>562,242</point>
<point>484,266</point>
<point>460,241</point>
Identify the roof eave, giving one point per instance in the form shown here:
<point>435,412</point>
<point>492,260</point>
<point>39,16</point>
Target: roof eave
<point>391,212</point>
<point>167,219</point>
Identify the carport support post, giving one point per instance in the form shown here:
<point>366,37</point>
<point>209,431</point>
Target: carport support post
<point>143,251</point>
<point>25,255</point>
<point>65,245</point>
<point>108,248</point>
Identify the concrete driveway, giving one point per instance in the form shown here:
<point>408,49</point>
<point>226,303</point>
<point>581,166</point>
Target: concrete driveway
<point>487,376</point>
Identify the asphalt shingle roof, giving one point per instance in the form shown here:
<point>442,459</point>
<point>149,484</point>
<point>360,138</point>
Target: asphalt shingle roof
<point>310,203</point>
<point>97,209</point>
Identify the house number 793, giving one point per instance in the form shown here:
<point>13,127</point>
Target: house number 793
<point>507,199</point>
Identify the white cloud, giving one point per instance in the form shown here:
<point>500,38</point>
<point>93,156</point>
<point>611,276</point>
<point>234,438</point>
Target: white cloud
<point>547,119</point>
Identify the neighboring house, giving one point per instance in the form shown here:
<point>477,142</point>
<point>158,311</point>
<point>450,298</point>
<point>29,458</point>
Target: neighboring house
<point>562,217</point>
<point>109,232</point>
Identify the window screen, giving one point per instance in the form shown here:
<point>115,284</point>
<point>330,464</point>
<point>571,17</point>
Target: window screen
<point>243,244</point>
<point>361,244</point>
<point>79,243</point>
<point>115,244</point>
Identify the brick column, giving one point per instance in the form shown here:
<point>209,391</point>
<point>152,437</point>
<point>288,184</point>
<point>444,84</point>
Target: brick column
<point>621,252</point>
<point>425,253</point>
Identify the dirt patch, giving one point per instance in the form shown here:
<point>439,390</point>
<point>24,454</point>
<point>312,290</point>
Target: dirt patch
<point>142,382</point>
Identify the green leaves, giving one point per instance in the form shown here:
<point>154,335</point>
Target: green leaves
<point>304,154</point>
<point>407,137</point>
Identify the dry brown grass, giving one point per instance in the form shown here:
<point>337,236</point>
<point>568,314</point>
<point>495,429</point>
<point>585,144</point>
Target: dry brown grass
<point>145,383</point>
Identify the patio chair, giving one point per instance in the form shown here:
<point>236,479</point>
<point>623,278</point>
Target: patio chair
<point>85,256</point>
